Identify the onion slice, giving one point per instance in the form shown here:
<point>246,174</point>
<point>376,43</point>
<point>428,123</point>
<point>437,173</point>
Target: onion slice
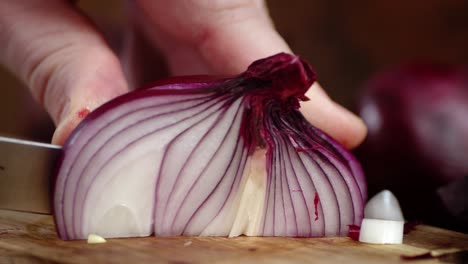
<point>209,157</point>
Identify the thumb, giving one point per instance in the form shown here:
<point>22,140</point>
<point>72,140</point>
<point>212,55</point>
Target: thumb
<point>61,57</point>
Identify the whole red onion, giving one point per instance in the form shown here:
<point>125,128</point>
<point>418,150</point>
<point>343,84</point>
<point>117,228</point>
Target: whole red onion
<point>417,145</point>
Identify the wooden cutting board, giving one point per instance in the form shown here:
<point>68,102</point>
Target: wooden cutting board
<point>31,238</point>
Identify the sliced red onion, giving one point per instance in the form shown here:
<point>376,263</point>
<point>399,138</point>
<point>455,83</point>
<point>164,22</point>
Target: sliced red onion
<point>196,156</point>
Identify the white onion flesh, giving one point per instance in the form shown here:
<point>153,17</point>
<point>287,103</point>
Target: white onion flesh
<point>384,205</point>
<point>378,231</point>
<point>383,221</point>
<point>96,239</point>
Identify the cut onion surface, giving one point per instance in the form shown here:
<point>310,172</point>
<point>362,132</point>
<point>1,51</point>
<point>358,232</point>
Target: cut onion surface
<point>197,156</point>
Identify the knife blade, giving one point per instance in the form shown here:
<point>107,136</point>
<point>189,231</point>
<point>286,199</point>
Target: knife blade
<point>26,171</point>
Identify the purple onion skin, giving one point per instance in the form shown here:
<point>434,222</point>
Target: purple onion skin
<point>417,117</point>
<point>270,91</point>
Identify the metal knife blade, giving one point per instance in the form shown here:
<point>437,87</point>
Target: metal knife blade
<point>26,170</point>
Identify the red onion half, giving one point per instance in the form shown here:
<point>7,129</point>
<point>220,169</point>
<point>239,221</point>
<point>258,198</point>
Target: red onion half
<point>193,156</point>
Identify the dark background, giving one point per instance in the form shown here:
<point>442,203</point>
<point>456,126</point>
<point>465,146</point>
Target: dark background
<point>346,41</point>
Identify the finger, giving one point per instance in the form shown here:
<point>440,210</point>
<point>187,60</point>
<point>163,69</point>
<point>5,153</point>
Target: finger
<point>205,36</point>
<point>224,37</point>
<point>61,57</point>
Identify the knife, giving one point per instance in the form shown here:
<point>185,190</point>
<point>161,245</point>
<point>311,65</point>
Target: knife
<point>26,171</point>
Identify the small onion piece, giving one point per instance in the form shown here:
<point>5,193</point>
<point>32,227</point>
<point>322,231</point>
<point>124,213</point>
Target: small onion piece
<point>96,239</point>
<point>197,156</point>
<point>383,221</point>
<point>378,231</point>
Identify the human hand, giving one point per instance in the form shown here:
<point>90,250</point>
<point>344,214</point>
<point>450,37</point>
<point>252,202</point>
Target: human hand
<point>70,69</point>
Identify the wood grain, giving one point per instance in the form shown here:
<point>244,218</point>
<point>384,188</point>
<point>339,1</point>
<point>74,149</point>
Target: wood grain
<point>31,238</point>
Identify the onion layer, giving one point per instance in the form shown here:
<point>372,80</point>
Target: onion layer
<point>193,156</point>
